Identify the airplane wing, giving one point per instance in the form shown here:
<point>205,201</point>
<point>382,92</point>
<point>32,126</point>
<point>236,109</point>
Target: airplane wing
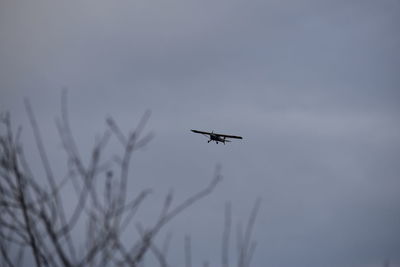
<point>200,132</point>
<point>229,136</point>
<point>222,135</point>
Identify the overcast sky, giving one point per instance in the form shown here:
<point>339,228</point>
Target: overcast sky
<point>312,86</point>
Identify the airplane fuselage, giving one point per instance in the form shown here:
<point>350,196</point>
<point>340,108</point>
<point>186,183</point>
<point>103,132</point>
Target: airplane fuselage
<point>217,138</point>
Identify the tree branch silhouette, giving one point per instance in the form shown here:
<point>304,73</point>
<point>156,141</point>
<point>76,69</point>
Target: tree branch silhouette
<point>36,224</point>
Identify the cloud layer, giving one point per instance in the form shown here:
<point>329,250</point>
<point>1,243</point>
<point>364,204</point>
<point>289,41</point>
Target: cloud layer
<point>311,85</point>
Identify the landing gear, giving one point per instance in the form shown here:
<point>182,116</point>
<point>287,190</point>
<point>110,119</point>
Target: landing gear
<point>208,141</point>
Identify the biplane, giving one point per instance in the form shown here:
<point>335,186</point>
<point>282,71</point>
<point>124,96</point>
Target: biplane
<point>216,137</point>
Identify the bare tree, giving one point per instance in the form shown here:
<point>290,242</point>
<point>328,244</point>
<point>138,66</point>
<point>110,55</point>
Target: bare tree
<point>34,220</point>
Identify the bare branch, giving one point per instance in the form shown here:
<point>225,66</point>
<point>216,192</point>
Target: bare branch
<point>34,220</point>
<point>157,253</point>
<point>226,235</point>
<point>188,251</point>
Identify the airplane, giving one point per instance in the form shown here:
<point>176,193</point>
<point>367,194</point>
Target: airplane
<point>217,137</point>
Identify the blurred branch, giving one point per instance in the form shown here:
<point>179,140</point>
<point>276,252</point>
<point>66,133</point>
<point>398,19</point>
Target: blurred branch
<point>226,235</point>
<point>35,223</point>
<point>188,251</point>
<point>246,246</point>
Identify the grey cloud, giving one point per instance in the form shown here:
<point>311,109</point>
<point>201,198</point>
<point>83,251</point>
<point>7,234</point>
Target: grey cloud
<point>311,85</point>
